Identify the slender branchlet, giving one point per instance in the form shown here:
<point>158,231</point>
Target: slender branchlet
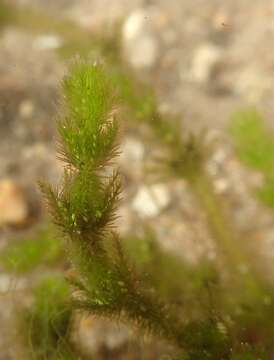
<point>84,206</point>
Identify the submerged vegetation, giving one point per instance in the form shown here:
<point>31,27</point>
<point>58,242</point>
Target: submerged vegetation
<point>27,254</point>
<point>84,207</point>
<point>46,326</point>
<point>254,144</point>
<point>212,310</point>
<point>106,281</point>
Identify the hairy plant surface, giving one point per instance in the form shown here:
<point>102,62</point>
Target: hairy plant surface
<point>105,280</point>
<point>84,205</point>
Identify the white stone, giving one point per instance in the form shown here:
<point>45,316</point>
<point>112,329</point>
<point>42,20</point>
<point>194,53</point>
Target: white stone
<point>47,42</point>
<point>221,185</point>
<point>150,201</point>
<point>220,156</point>
<point>140,43</point>
<point>13,204</point>
<point>26,108</point>
<point>9,283</point>
<point>132,150</point>
<point>93,334</point>
<point>205,59</point>
<point>134,24</point>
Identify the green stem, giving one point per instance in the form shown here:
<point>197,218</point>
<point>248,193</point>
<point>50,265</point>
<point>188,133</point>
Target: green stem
<point>231,246</point>
<point>219,221</point>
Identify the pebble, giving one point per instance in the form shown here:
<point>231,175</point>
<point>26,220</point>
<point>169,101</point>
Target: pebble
<point>13,204</point>
<point>9,283</point>
<point>132,150</point>
<point>26,108</point>
<point>151,200</point>
<point>140,41</point>
<point>221,185</point>
<point>94,334</point>
<point>47,42</point>
<point>205,59</point>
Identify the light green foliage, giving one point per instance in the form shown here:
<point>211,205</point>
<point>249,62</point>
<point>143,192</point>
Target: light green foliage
<point>84,208</point>
<point>26,254</point>
<point>254,143</point>
<point>47,323</point>
<point>139,97</point>
<point>266,193</point>
<point>255,146</point>
<point>88,131</point>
